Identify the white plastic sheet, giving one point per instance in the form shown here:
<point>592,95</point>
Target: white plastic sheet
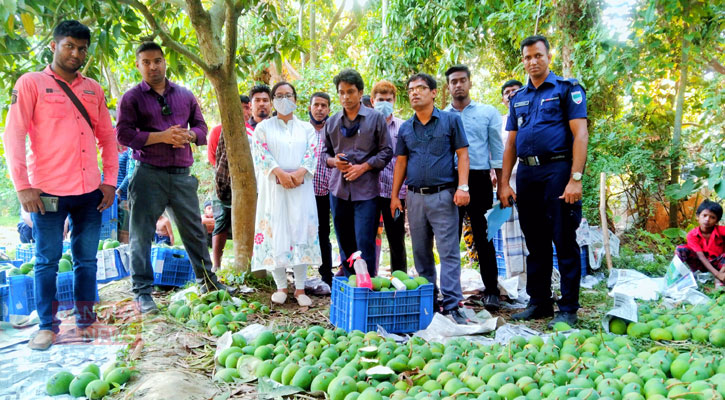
<point>25,372</point>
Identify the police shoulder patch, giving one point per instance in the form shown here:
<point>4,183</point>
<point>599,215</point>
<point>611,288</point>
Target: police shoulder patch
<point>576,96</point>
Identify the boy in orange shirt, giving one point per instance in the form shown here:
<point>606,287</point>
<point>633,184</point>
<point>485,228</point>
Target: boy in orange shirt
<point>705,248</point>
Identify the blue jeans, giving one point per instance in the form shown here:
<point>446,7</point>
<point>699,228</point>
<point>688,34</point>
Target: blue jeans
<point>85,228</point>
<point>356,223</point>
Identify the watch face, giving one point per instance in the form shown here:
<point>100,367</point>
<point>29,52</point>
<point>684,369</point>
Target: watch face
<point>577,176</point>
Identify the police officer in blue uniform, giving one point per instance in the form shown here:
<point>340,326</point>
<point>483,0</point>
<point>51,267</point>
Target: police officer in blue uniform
<point>548,134</point>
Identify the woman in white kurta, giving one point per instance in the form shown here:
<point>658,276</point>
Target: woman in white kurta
<point>285,233</point>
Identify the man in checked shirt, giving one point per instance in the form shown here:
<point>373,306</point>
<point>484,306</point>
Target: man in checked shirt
<point>319,111</point>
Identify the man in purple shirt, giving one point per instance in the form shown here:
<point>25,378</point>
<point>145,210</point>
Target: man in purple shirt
<point>357,145</point>
<point>159,120</point>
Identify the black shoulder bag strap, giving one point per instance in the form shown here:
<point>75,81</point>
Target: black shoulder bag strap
<point>75,101</point>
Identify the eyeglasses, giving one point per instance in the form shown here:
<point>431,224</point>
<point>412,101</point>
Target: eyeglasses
<point>165,109</point>
<point>284,96</point>
<point>417,89</point>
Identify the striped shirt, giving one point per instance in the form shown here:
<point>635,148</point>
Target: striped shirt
<point>386,175</point>
<point>321,179</point>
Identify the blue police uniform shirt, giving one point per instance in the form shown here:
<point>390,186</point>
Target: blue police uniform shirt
<point>541,116</point>
<point>430,148</point>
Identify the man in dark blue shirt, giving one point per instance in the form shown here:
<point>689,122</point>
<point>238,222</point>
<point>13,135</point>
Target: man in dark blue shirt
<point>427,144</point>
<point>548,133</point>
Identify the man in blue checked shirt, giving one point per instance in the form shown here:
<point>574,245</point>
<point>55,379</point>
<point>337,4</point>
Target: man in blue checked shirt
<point>548,134</point>
<point>427,146</point>
<point>482,124</point>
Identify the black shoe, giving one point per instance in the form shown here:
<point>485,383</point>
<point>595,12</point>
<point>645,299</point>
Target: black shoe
<point>569,317</point>
<point>457,316</point>
<point>491,302</point>
<point>534,312</point>
<point>146,304</point>
<point>211,286</point>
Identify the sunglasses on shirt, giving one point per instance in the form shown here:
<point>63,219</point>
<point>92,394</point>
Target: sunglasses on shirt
<point>165,109</point>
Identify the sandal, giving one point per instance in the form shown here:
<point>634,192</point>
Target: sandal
<point>279,297</point>
<point>303,300</point>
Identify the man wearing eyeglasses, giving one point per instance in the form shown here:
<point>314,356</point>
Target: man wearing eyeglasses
<point>159,120</point>
<point>357,145</point>
<point>427,144</point>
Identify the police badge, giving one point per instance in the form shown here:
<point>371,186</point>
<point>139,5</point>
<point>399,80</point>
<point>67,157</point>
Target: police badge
<point>577,97</point>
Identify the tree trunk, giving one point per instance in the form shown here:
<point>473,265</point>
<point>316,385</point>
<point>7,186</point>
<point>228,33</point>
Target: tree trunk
<point>112,81</point>
<point>241,169</point>
<point>677,131</point>
<point>384,18</point>
<point>313,36</point>
<point>300,31</point>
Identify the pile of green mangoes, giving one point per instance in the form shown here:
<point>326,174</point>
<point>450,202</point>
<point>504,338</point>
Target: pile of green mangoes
<point>108,244</point>
<point>88,383</point>
<point>703,323</point>
<point>65,264</point>
<point>383,284</point>
<point>584,365</point>
<point>214,311</point>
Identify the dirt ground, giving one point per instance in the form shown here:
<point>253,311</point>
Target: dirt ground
<point>175,362</point>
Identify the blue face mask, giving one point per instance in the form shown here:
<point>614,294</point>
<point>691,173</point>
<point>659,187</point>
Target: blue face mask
<point>384,107</point>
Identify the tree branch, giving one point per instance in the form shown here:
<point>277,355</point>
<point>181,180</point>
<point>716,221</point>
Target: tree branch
<point>166,38</point>
<point>209,44</point>
<point>715,64</point>
<point>335,20</point>
<point>230,40</point>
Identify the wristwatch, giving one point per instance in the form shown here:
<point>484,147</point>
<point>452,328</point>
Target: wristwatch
<point>463,188</point>
<point>577,176</point>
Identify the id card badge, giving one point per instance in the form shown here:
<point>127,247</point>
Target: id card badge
<point>50,203</point>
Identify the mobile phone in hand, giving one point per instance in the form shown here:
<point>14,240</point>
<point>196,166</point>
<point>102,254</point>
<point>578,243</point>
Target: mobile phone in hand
<point>344,158</point>
<point>396,215</point>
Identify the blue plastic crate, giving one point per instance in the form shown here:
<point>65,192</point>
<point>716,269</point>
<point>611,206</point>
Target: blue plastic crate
<point>120,271</point>
<point>172,267</point>
<point>64,293</point>
<point>25,254</point>
<point>362,309</point>
<point>501,264</point>
<point>22,294</point>
<point>4,302</point>
<point>111,213</point>
<point>109,230</point>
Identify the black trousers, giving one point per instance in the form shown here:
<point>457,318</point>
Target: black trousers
<point>481,193</point>
<point>323,229</point>
<point>395,232</point>
<point>545,217</point>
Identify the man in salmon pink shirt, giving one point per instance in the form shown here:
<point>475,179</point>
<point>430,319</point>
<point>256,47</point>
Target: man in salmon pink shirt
<point>60,176</point>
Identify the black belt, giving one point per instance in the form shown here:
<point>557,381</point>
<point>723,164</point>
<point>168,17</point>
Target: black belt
<point>431,189</point>
<point>532,161</point>
<point>168,170</point>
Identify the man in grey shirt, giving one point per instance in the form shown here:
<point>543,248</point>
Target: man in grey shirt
<point>357,145</point>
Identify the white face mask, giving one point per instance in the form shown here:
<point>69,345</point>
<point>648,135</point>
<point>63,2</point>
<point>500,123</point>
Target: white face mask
<point>284,106</point>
